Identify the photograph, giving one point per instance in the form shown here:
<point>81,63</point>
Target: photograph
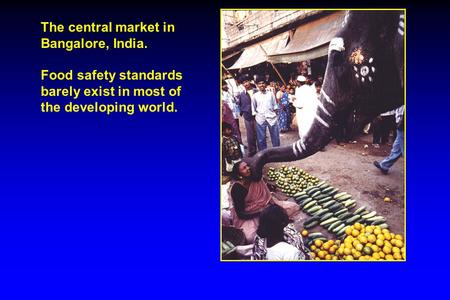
<point>313,164</point>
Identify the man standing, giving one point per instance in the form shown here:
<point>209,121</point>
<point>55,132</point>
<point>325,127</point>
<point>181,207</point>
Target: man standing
<point>264,107</point>
<point>245,100</point>
<point>397,147</point>
<point>304,95</point>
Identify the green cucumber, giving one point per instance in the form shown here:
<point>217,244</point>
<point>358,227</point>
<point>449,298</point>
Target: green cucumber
<point>343,198</point>
<point>369,215</point>
<point>308,189</point>
<point>225,247</point>
<point>301,198</point>
<point>309,205</point>
<point>320,184</point>
<point>364,222</point>
<point>333,192</point>
<point>310,220</point>
<point>353,219</point>
<point>335,207</point>
<point>311,224</point>
<point>334,225</point>
<point>313,190</point>
<point>327,190</point>
<point>321,212</point>
<point>324,200</point>
<point>326,216</point>
<point>329,203</point>
<point>315,235</point>
<point>316,194</point>
<point>360,211</point>
<point>313,209</point>
<point>328,221</point>
<point>339,195</point>
<point>298,194</point>
<point>321,196</point>
<point>376,218</point>
<point>306,201</point>
<point>341,212</point>
<point>345,216</point>
<point>230,244</point>
<point>338,228</point>
<point>379,222</point>
<point>351,206</point>
<point>348,203</point>
<point>325,186</point>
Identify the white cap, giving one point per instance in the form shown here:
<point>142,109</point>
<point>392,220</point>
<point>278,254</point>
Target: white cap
<point>301,78</point>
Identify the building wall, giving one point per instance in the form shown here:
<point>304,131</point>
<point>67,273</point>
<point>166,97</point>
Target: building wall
<point>241,26</point>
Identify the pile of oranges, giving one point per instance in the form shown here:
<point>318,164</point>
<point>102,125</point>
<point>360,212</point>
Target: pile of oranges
<point>325,250</point>
<point>361,243</point>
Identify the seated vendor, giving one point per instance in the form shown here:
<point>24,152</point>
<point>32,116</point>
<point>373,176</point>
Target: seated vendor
<point>249,198</point>
<point>277,238</point>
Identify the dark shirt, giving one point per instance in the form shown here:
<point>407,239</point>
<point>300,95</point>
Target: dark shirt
<point>246,105</point>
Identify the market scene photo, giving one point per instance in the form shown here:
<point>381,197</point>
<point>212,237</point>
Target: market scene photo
<point>313,141</point>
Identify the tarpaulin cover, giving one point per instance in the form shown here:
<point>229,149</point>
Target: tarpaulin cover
<point>258,53</point>
<point>310,40</point>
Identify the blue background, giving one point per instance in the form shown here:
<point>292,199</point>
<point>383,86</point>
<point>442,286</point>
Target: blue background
<point>120,203</point>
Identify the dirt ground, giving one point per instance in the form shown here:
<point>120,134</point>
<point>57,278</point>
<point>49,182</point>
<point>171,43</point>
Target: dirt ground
<point>350,168</point>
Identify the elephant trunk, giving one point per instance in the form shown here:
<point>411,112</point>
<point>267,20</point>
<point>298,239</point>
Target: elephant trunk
<point>317,137</point>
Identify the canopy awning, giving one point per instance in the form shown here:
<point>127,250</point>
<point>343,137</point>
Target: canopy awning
<point>310,40</point>
<point>231,55</point>
<point>259,52</point>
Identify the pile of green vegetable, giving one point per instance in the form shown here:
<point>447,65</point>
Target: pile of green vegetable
<point>327,206</point>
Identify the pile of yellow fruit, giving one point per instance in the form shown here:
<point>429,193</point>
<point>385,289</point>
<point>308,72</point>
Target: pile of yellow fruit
<point>361,243</point>
<point>371,243</point>
<point>325,250</point>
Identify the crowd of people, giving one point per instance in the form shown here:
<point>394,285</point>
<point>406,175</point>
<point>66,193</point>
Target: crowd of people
<point>263,106</point>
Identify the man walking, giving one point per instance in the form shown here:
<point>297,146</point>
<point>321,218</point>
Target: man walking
<point>264,107</point>
<point>397,147</point>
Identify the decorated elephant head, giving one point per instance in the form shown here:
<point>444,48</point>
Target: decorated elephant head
<point>364,72</point>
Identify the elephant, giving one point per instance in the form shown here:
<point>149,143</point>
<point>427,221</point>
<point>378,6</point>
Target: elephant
<point>364,72</point>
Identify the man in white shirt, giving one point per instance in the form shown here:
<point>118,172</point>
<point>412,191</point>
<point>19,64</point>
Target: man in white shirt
<point>264,107</point>
<point>300,90</point>
<point>305,104</point>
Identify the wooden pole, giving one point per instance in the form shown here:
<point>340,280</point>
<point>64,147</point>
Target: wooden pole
<point>226,69</point>
<point>278,73</point>
<point>273,66</point>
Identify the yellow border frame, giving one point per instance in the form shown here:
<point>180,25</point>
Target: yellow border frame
<point>404,129</point>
